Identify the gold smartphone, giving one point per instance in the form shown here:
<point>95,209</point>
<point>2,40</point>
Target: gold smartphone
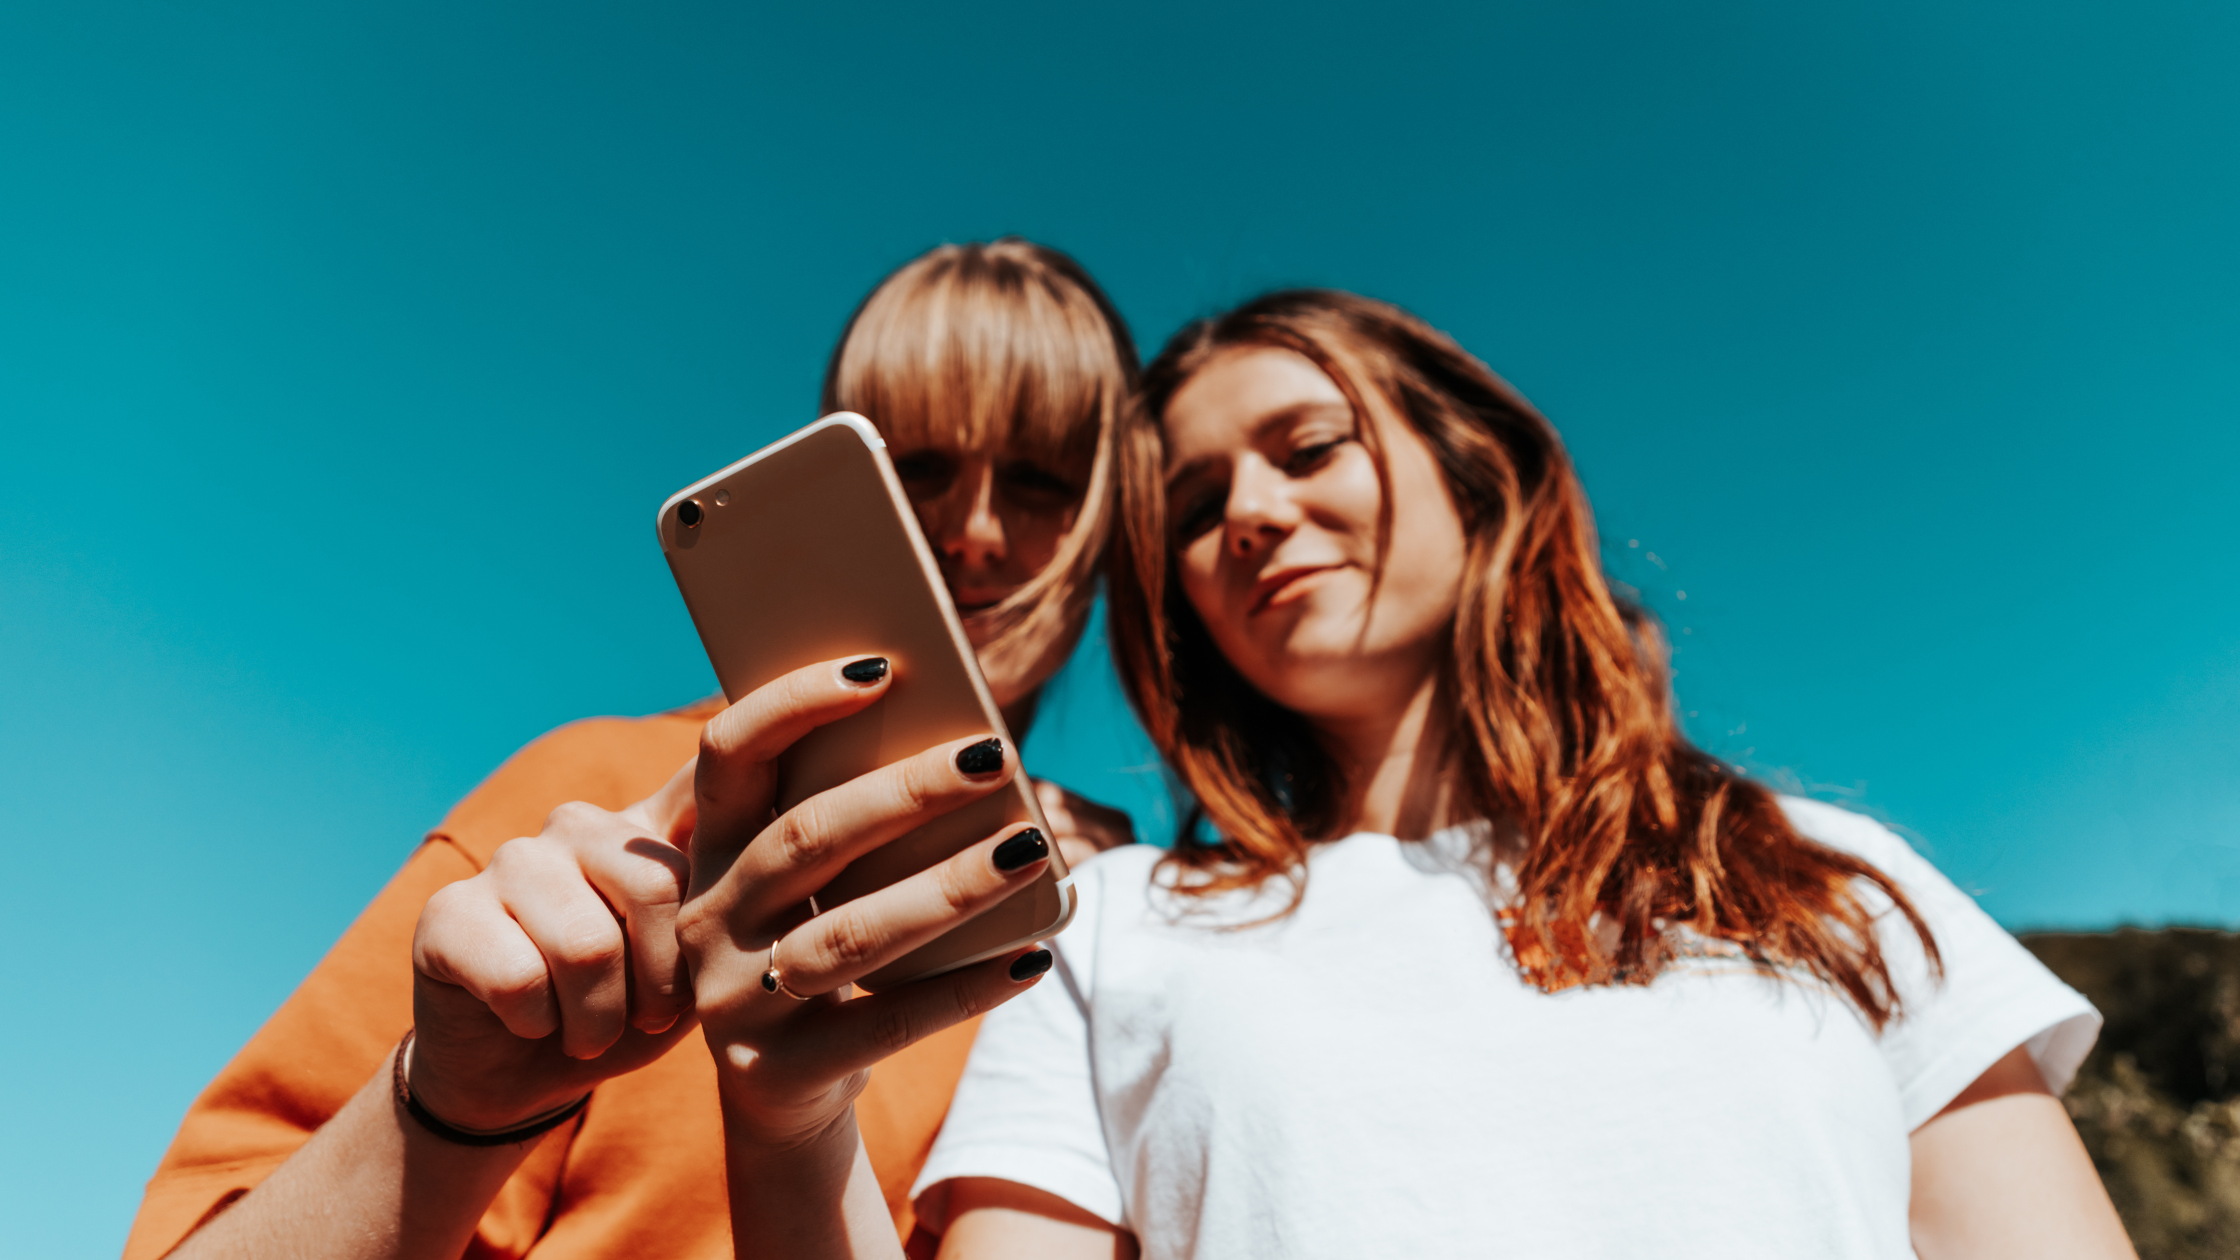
<point>808,550</point>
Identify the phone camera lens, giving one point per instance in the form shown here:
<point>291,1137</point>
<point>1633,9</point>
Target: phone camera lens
<point>688,514</point>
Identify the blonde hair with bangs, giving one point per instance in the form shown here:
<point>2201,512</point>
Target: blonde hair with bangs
<point>1006,345</point>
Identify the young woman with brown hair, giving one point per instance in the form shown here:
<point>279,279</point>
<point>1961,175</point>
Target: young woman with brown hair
<point>552,1102</point>
<point>1485,958</point>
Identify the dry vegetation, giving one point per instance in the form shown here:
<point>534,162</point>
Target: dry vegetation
<point>2158,1102</point>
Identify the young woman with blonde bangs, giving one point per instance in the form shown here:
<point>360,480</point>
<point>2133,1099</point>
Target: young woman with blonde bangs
<point>993,372</point>
<point>1486,959</point>
<point>550,1101</point>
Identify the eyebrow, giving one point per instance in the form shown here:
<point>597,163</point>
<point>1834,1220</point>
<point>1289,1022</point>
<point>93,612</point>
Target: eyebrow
<point>1260,428</point>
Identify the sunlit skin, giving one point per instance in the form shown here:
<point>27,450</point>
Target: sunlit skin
<point>1274,502</point>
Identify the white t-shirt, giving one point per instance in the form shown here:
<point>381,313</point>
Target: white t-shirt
<point>1370,1077</point>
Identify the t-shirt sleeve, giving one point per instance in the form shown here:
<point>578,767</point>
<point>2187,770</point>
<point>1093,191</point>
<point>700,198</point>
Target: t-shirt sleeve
<point>1026,1110</point>
<point>1993,995</point>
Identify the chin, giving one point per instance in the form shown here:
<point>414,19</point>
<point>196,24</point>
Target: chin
<point>1316,644</point>
<point>1311,693</point>
<point>1323,669</point>
<point>1304,681</point>
<point>1006,692</point>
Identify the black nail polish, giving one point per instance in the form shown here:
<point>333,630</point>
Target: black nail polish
<point>868,670</point>
<point>1027,846</point>
<point>1028,966</point>
<point>983,758</point>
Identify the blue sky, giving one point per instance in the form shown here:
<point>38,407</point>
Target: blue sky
<point>346,349</point>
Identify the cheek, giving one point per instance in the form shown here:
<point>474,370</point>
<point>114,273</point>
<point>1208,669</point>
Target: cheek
<point>1429,549</point>
<point>1035,535</point>
<point>934,513</point>
<point>1199,567</point>
<point>1425,589</point>
<point>1350,494</point>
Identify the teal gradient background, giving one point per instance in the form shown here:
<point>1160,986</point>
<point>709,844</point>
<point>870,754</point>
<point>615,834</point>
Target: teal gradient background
<point>346,350</point>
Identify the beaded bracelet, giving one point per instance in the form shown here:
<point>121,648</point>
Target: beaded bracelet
<point>469,1137</point>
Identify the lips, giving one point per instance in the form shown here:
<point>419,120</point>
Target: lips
<point>1280,586</point>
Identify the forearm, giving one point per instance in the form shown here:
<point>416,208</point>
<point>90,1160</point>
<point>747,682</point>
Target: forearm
<point>371,1184</point>
<point>820,1199</point>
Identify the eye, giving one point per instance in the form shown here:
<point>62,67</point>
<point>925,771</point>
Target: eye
<point>925,474</point>
<point>1035,486</point>
<point>1307,458</point>
<point>1200,512</point>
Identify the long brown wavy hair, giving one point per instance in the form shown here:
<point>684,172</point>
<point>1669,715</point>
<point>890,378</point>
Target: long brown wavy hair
<point>1566,739</point>
<point>982,346</point>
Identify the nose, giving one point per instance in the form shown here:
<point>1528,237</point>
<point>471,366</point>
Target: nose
<point>971,534</point>
<point>1260,513</point>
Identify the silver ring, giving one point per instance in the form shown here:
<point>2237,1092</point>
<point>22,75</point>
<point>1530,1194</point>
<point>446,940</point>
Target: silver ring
<point>772,982</point>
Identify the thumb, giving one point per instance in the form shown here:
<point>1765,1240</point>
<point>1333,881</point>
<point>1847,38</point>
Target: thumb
<point>672,810</point>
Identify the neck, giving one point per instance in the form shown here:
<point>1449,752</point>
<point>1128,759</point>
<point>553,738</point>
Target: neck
<point>1394,765</point>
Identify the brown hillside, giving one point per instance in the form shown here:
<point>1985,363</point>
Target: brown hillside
<point>2158,1102</point>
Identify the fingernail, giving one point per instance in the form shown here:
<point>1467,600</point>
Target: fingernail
<point>1027,846</point>
<point>866,671</point>
<point>981,759</point>
<point>1028,966</point>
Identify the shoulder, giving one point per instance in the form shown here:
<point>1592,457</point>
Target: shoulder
<point>1127,866</point>
<point>1840,828</point>
<point>1946,907</point>
<point>607,761</point>
<point>1136,888</point>
<point>1111,897</point>
<point>1109,886</point>
<point>1984,994</point>
<point>1864,838</point>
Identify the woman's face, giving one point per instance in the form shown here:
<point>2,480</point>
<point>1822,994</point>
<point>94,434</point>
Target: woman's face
<point>995,518</point>
<point>1273,502</point>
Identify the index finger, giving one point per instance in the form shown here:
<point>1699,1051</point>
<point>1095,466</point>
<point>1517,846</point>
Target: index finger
<point>735,778</point>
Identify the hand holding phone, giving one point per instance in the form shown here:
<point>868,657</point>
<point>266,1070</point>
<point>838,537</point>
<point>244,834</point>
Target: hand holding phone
<point>768,976</point>
<point>808,551</point>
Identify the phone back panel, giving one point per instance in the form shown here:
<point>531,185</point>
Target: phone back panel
<point>806,551</point>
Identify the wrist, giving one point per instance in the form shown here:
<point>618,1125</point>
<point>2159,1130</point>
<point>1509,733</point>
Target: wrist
<point>817,1196</point>
<point>444,1114</point>
<point>756,1131</point>
<point>784,1171</point>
